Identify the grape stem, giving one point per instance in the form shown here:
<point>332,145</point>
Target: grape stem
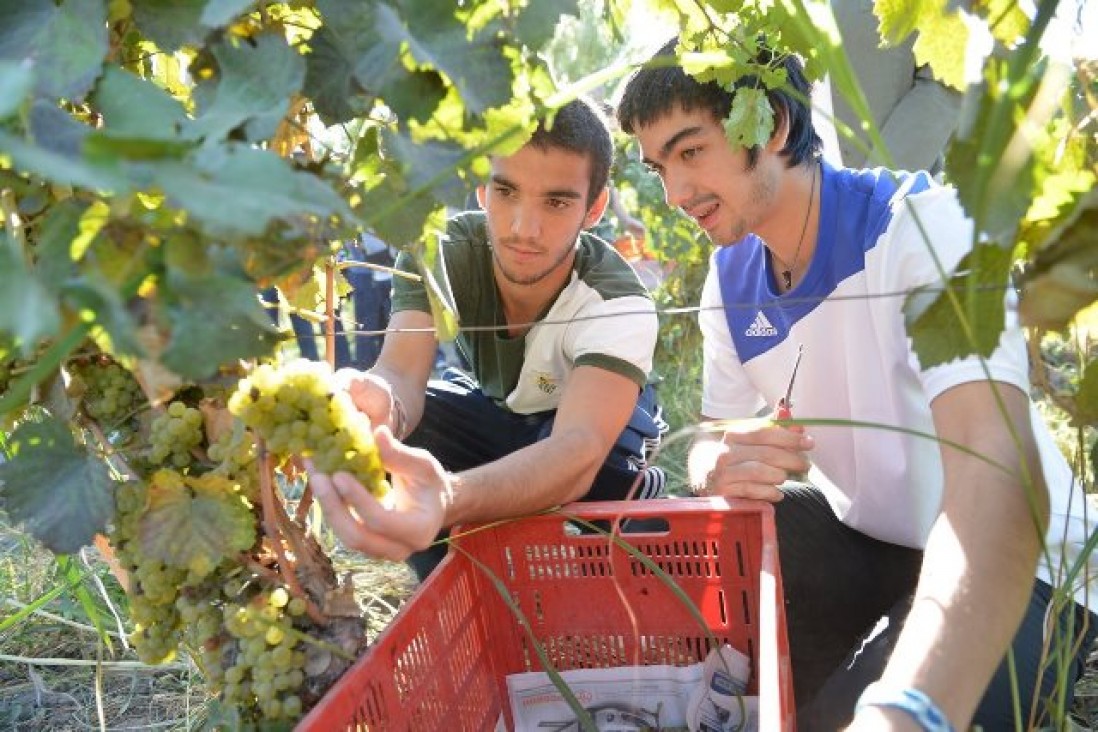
<point>271,528</point>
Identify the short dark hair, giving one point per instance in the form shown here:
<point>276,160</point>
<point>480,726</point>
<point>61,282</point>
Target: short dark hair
<point>653,91</point>
<point>579,127</point>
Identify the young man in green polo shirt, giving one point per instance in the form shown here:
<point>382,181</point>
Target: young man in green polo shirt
<point>558,333</point>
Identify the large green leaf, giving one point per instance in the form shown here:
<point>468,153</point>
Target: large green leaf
<point>237,190</point>
<point>335,48</point>
<point>187,526</point>
<point>99,298</point>
<point>171,24</point>
<point>136,107</point>
<point>438,40</point>
<point>945,331</point>
<point>16,82</point>
<point>215,319</point>
<point>27,309</point>
<point>59,492</point>
<point>53,155</point>
<point>33,31</point>
<point>255,82</point>
<point>429,165</point>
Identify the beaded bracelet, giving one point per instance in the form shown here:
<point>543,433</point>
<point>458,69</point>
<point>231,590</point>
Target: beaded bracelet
<point>913,702</point>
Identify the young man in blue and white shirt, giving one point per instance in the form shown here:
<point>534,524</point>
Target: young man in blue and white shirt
<point>892,524</point>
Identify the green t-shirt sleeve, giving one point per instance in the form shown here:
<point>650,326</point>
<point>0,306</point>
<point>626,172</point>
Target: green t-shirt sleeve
<point>408,293</point>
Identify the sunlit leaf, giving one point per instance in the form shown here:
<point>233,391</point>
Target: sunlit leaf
<point>16,82</point>
<point>437,284</point>
<point>898,18</point>
<point>256,80</point>
<point>31,30</point>
<point>942,334</point>
<point>751,121</point>
<point>59,492</point>
<point>941,45</point>
<point>27,309</point>
<point>192,524</point>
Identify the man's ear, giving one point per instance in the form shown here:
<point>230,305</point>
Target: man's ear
<point>482,193</point>
<point>781,129</point>
<point>597,209</point>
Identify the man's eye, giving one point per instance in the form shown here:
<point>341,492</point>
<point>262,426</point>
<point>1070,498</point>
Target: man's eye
<point>503,191</point>
<point>690,153</point>
<point>558,203</point>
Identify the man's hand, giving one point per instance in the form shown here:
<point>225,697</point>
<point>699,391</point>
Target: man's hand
<point>406,520</point>
<point>750,461</point>
<point>373,396</point>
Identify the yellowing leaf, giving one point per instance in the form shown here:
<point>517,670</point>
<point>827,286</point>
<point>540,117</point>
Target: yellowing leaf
<point>941,45</point>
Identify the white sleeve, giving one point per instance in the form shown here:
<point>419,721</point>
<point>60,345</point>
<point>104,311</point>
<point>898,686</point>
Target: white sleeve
<point>727,393</point>
<point>950,232</point>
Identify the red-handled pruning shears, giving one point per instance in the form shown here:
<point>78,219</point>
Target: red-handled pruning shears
<point>785,404</point>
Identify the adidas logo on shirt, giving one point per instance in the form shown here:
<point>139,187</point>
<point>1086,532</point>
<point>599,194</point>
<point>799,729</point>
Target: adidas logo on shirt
<point>761,327</point>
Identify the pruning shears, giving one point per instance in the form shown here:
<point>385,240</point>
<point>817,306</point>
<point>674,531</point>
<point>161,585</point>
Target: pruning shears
<point>785,404</point>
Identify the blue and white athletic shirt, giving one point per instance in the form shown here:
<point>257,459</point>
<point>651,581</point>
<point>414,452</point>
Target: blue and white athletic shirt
<point>858,362</point>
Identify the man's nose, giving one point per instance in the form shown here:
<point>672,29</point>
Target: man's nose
<point>677,190</point>
<point>525,222</point>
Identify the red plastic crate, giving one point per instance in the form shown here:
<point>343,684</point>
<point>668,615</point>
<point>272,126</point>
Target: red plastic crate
<point>442,662</point>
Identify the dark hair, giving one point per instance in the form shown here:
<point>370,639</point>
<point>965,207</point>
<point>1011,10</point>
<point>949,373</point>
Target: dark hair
<point>653,91</point>
<point>580,128</point>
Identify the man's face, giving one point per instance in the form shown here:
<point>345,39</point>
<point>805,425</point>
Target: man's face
<point>707,177</point>
<point>536,201</point>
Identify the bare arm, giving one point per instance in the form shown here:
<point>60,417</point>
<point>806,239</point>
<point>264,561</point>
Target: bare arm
<point>401,373</point>
<point>594,410</point>
<point>979,564</point>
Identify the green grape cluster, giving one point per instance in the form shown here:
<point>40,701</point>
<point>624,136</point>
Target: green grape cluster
<point>234,454</point>
<point>113,395</point>
<point>297,410</point>
<point>174,434</point>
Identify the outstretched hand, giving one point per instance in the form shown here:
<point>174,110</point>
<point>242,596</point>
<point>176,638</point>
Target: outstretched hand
<point>407,520</point>
<point>753,461</point>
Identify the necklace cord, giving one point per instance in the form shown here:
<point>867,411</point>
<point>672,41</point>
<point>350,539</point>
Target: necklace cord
<point>787,274</point>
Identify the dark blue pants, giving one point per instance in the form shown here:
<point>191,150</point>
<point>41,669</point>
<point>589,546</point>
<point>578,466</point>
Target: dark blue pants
<point>464,429</point>
<point>841,585</point>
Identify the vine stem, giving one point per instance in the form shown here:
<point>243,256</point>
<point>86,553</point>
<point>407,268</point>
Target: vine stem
<point>274,534</point>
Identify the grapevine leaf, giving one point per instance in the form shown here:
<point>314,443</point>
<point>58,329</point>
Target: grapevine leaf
<point>216,319</point>
<point>1007,19</point>
<point>417,96</point>
<point>330,74</point>
<point>60,228</point>
<point>393,212</point>
<point>751,121</point>
<point>58,491</point>
<point>170,24</point>
<point>16,82</point>
<point>941,44</point>
<point>437,285</point>
<point>219,13</point>
<point>255,83</point>
<point>475,66</point>
<point>1086,399</point>
<point>27,310</point>
<point>59,166</point>
<point>995,187</point>
<point>1060,281</point>
<point>430,166</point>
<point>133,106</point>
<point>538,21</point>
<point>193,526</point>
<point>898,18</point>
<point>31,30</point>
<point>99,297</point>
<point>941,334</point>
<point>238,190</point>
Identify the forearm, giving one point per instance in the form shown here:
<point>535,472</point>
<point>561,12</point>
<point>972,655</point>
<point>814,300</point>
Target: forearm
<point>410,393</point>
<point>548,473</point>
<point>978,569</point>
